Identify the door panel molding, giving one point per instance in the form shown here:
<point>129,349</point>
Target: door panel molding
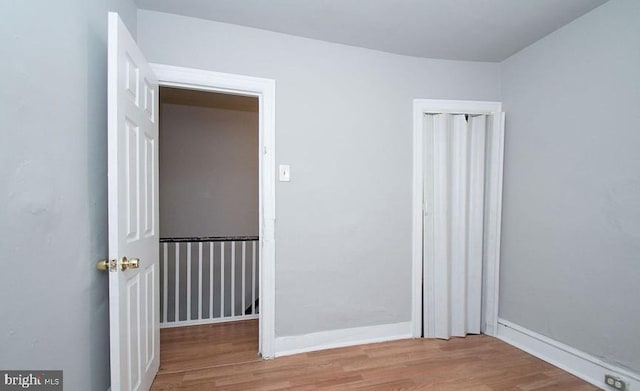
<point>134,326</point>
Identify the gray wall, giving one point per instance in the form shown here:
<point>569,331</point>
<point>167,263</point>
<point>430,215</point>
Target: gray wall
<point>53,171</point>
<point>344,124</point>
<point>571,206</point>
<point>571,220</point>
<point>208,171</point>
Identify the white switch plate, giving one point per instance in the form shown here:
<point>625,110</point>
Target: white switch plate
<point>284,173</point>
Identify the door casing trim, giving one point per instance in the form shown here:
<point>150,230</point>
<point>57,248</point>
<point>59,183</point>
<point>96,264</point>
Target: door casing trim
<point>493,206</point>
<point>265,91</point>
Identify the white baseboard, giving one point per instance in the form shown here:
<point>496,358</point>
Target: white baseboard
<point>340,338</point>
<point>574,361</point>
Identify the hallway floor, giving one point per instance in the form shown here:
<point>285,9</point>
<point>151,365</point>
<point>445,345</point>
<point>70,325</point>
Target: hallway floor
<point>223,357</point>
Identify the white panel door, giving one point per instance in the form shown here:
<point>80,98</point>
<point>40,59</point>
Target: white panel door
<point>133,213</point>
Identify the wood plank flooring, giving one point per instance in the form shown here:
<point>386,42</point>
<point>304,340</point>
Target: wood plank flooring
<point>223,357</point>
<point>206,346</point>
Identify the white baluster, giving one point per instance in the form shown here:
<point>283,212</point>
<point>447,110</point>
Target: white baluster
<point>221,279</point>
<point>165,279</point>
<point>253,277</point>
<point>199,280</point>
<point>177,284</point>
<point>189,281</point>
<point>211,248</point>
<point>243,277</point>
<point>233,278</point>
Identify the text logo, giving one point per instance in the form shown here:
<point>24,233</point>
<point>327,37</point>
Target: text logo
<point>31,380</point>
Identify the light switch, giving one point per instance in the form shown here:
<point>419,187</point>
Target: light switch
<point>285,173</point>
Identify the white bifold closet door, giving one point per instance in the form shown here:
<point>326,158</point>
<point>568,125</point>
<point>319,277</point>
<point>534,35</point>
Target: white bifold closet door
<point>453,223</point>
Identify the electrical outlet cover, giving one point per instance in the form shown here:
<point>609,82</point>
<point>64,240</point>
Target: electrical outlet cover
<point>615,383</point>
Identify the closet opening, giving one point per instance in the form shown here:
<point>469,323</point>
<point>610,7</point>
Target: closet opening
<point>458,152</point>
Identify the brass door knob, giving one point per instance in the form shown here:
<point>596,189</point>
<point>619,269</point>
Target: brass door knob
<point>106,265</point>
<point>132,263</point>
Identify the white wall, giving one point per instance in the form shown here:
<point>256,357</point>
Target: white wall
<point>344,120</point>
<point>53,197</point>
<point>571,219</point>
<point>208,171</point>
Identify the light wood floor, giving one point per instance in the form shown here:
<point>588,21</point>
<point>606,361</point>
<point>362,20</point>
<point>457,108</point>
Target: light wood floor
<point>223,357</point>
<point>207,346</point>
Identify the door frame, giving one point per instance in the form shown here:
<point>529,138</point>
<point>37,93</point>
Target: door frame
<point>264,90</point>
<point>493,207</point>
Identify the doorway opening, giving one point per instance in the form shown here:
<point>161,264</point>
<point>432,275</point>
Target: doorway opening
<point>209,227</point>
<point>264,90</point>
<point>457,202</point>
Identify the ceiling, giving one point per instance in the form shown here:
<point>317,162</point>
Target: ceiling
<point>474,30</point>
<point>210,99</point>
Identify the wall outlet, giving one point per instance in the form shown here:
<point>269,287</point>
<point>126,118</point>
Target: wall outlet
<point>616,383</point>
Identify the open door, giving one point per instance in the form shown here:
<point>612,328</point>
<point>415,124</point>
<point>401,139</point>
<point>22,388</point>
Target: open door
<point>133,213</point>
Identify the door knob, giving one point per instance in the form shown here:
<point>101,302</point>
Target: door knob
<point>106,265</point>
<point>132,263</point>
